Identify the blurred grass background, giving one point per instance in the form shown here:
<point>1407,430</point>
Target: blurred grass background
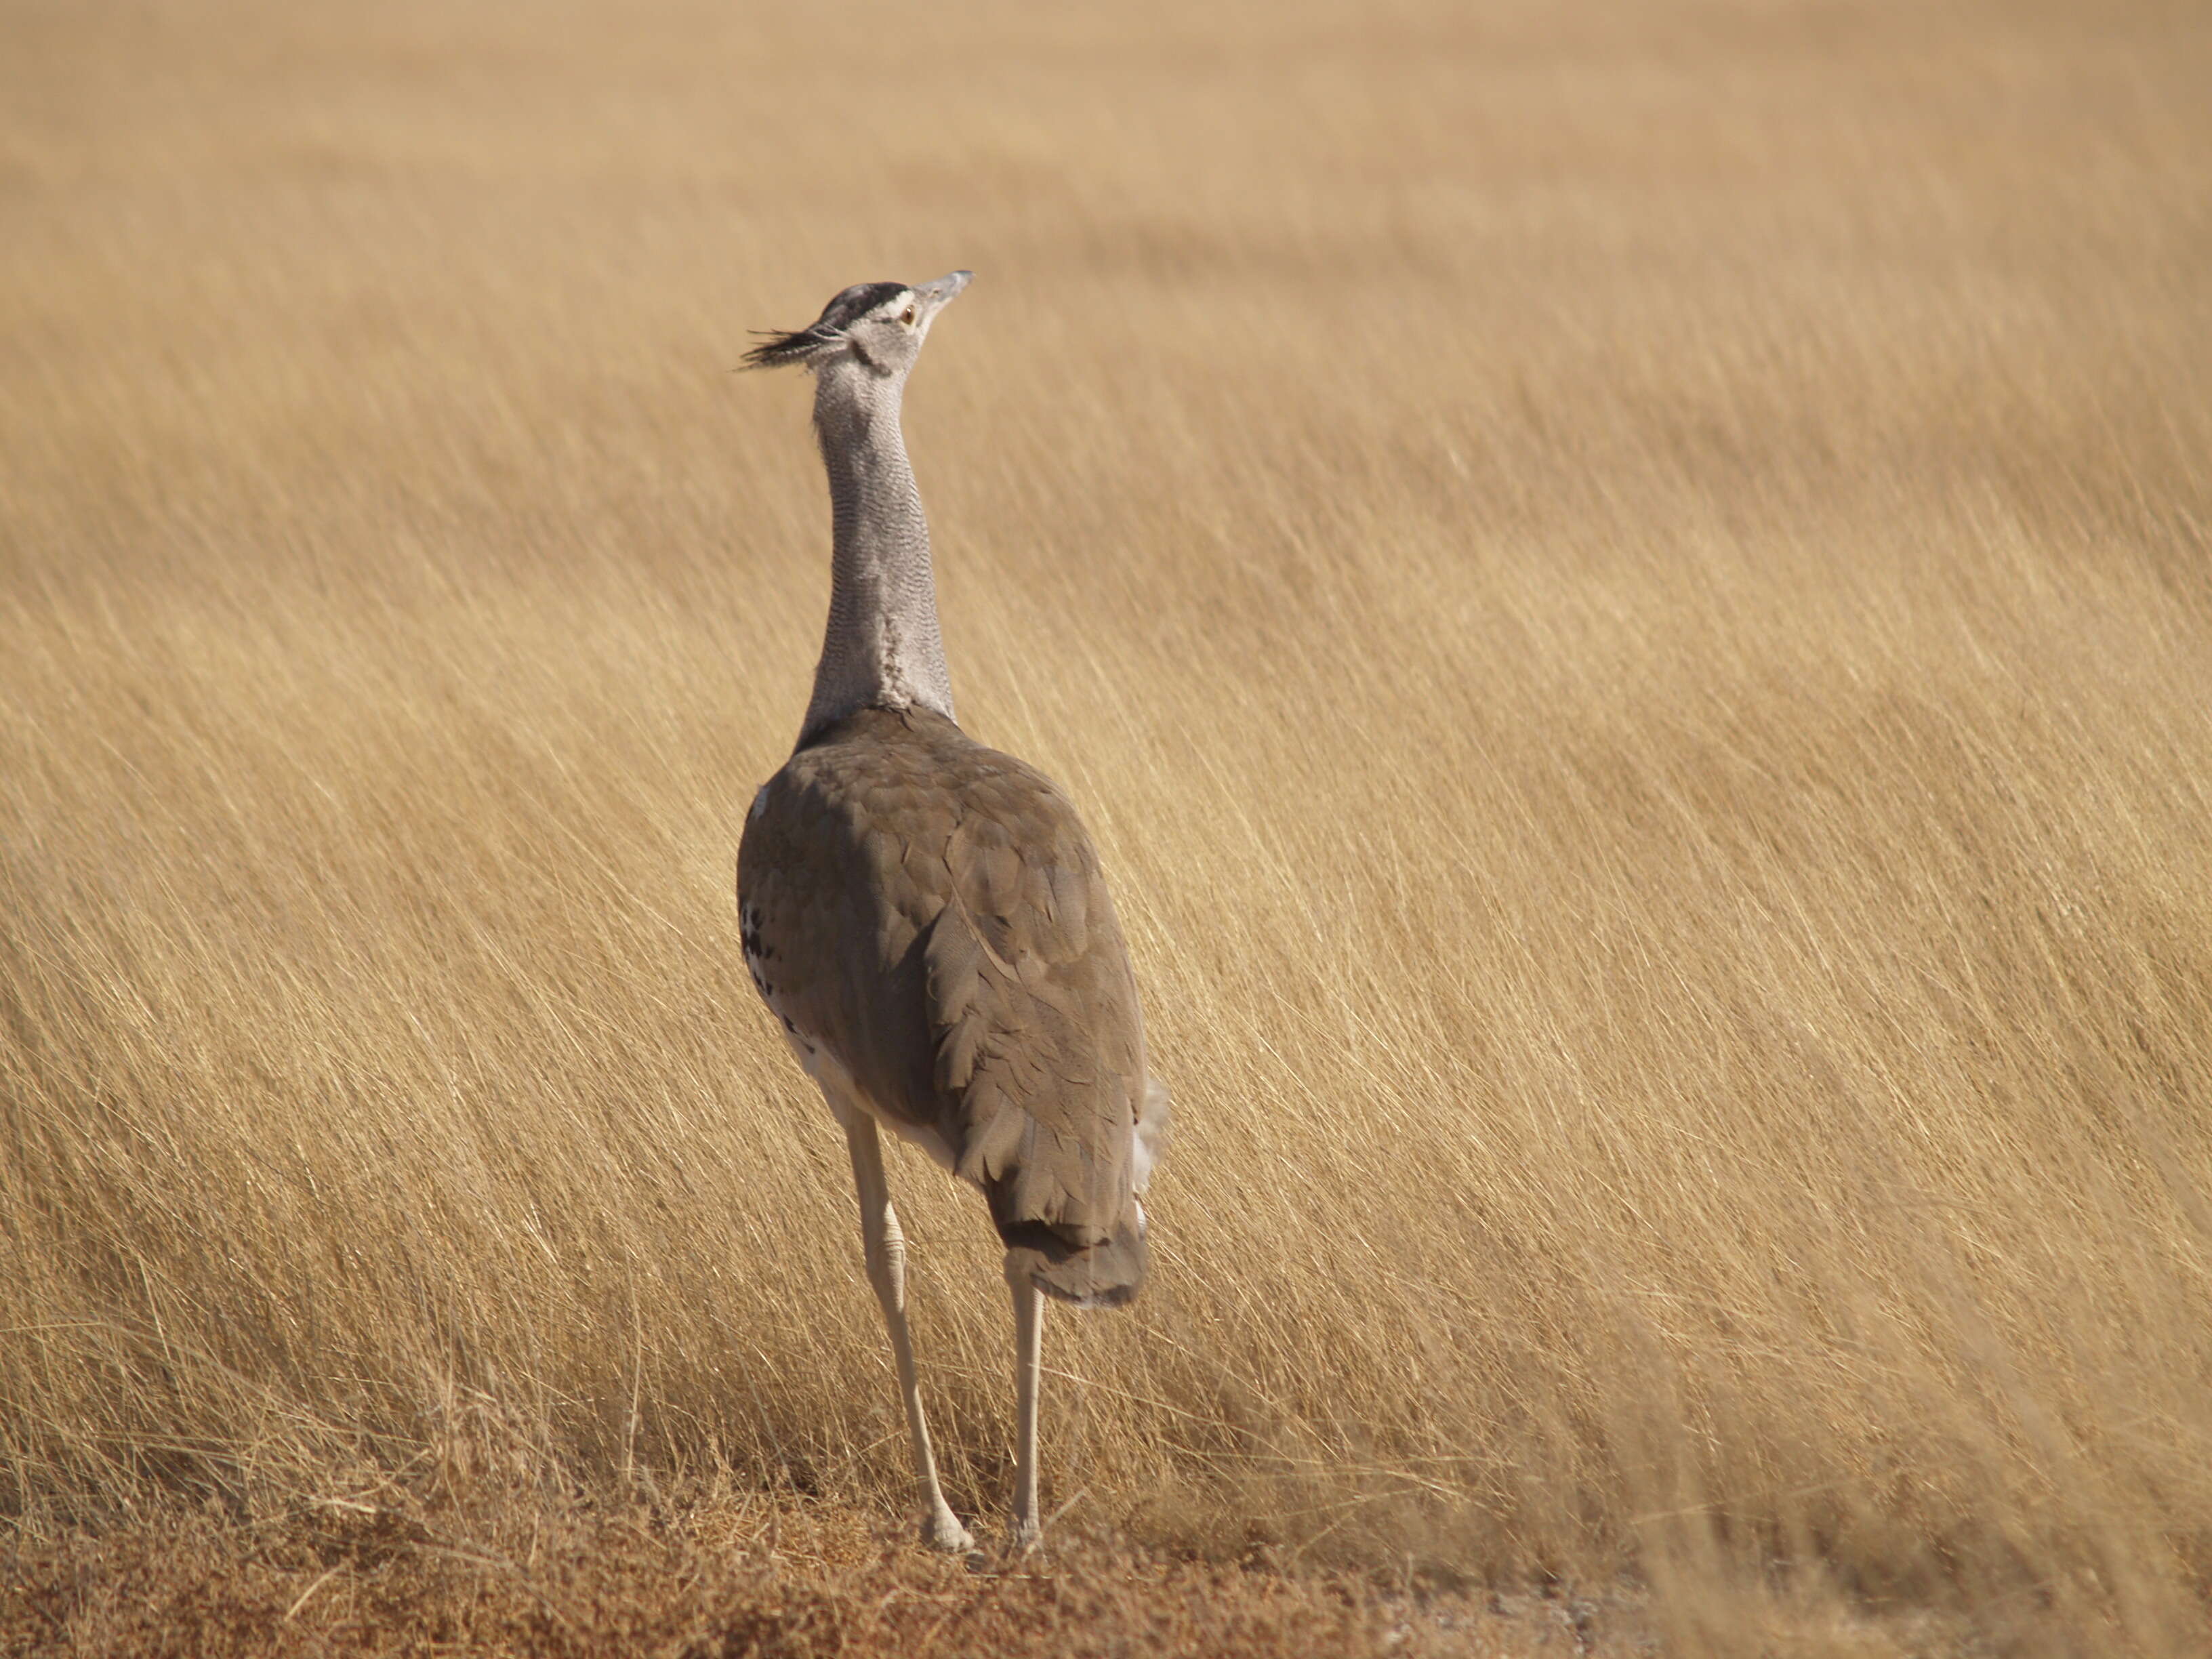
<point>1625,588</point>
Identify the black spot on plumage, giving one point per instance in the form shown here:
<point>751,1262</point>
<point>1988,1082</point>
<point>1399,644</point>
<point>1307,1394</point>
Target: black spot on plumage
<point>825,331</point>
<point>856,302</point>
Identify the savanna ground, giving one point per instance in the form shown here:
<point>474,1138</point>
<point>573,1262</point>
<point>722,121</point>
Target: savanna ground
<point>1626,589</point>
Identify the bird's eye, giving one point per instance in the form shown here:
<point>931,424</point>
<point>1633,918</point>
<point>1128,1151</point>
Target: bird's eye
<point>908,316</point>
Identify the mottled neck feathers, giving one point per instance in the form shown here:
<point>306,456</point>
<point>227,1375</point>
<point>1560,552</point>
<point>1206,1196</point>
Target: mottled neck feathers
<point>882,648</point>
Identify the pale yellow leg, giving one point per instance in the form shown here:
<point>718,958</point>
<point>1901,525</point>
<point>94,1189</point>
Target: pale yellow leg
<point>1028,1346</point>
<point>886,1248</point>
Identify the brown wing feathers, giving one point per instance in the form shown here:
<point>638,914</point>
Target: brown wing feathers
<point>1016,1036</point>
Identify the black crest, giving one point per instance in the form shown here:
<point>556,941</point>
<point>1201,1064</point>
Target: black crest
<point>840,314</point>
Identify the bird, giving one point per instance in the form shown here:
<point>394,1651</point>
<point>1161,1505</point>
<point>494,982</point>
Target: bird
<point>927,919</point>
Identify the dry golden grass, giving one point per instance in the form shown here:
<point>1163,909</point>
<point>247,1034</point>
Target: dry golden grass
<point>1625,589</point>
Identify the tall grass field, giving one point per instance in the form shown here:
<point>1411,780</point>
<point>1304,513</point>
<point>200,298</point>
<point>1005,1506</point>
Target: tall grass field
<point>1625,589</point>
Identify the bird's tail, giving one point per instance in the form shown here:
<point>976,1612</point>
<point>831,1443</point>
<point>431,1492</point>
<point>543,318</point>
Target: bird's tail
<point>1075,1262</point>
<point>1104,1275</point>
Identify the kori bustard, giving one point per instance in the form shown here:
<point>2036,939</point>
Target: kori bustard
<point>926,916</point>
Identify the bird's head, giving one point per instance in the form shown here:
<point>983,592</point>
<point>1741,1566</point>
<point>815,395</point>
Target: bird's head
<point>876,327</point>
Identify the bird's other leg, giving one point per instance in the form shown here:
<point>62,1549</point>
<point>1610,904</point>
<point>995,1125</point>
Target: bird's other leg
<point>1029,1346</point>
<point>885,1247</point>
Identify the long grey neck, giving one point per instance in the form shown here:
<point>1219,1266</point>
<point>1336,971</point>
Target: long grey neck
<point>882,648</point>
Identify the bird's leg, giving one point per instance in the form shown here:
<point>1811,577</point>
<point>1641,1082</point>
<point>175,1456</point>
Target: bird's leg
<point>885,1247</point>
<point>1029,1345</point>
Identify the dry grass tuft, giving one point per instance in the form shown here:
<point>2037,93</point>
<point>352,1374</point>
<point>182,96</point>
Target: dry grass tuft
<point>1626,589</point>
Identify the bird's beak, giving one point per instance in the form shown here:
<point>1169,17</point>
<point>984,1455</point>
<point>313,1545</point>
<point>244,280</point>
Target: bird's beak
<point>935,296</point>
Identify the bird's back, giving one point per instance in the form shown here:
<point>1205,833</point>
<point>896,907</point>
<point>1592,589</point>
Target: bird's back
<point>928,916</point>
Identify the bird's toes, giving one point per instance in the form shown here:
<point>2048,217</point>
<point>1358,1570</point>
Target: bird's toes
<point>941,1530</point>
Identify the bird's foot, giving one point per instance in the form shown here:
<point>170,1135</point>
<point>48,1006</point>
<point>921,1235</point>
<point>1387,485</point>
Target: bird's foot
<point>1024,1538</point>
<point>941,1530</point>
